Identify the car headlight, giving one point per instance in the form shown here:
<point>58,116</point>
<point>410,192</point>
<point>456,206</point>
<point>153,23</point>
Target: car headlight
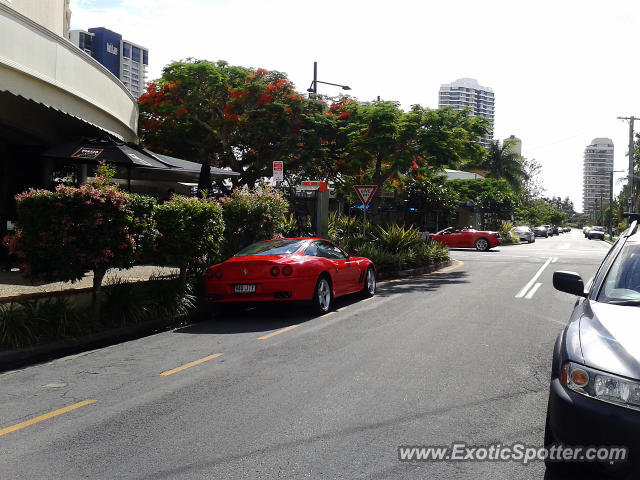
<point>600,385</point>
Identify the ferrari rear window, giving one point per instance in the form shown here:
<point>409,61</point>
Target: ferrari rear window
<point>272,247</point>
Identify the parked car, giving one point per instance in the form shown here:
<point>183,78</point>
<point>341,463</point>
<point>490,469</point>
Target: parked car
<point>553,229</point>
<point>292,269</point>
<point>525,233</point>
<point>468,238</point>
<point>541,231</point>
<point>596,232</point>
<point>594,396</point>
<point>585,230</point>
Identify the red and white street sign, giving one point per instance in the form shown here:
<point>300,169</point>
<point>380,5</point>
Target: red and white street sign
<point>278,171</point>
<point>314,185</point>
<point>366,193</point>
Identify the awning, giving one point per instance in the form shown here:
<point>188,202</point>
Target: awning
<point>133,161</point>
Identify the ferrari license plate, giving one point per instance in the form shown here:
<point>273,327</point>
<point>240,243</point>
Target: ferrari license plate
<point>246,288</point>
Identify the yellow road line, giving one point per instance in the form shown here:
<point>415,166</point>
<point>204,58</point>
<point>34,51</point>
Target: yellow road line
<point>46,416</point>
<point>190,364</point>
<point>278,332</point>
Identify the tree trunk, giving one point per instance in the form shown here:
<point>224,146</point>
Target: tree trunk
<point>183,279</point>
<point>97,293</point>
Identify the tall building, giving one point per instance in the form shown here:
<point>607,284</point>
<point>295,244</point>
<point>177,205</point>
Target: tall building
<point>598,163</point>
<point>466,92</point>
<point>514,143</point>
<point>124,59</point>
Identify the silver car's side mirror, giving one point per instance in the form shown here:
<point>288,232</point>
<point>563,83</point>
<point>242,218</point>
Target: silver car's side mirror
<point>569,282</point>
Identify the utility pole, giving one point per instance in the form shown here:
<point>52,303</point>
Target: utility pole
<point>315,79</point>
<point>631,162</point>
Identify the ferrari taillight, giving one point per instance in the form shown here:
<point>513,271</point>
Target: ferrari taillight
<point>275,271</point>
<point>287,270</point>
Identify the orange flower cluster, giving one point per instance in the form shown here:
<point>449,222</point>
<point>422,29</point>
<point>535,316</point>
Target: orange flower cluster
<point>265,99</point>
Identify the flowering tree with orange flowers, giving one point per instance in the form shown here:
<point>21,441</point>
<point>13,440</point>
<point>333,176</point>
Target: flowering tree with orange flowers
<point>231,117</point>
<point>182,113</point>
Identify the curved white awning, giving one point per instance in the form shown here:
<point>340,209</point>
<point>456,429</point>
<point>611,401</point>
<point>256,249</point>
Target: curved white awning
<point>41,66</point>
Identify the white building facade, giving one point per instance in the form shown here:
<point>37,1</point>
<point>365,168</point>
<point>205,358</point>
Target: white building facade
<point>468,93</point>
<point>51,14</point>
<point>598,165</point>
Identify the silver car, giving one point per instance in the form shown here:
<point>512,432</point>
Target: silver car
<point>596,232</point>
<point>525,233</point>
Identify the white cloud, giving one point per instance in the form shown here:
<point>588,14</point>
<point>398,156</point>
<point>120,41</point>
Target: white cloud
<point>561,71</point>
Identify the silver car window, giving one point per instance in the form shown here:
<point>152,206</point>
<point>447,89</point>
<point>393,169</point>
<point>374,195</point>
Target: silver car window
<point>622,282</point>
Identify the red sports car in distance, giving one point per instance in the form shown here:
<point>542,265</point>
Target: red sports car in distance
<point>467,238</point>
<point>290,269</point>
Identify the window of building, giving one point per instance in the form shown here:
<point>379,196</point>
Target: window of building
<point>145,57</point>
<point>126,50</point>
<point>135,54</point>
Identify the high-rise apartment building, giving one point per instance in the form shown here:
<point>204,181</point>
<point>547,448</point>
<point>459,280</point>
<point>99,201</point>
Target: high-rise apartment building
<point>466,92</point>
<point>124,59</point>
<point>598,164</point>
<point>514,144</point>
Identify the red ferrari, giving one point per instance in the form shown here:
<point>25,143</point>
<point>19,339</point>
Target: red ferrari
<point>290,269</point>
<point>467,238</point>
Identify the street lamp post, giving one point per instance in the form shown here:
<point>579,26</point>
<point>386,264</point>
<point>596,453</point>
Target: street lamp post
<point>313,88</point>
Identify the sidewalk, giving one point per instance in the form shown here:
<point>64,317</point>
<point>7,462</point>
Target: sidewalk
<point>13,284</point>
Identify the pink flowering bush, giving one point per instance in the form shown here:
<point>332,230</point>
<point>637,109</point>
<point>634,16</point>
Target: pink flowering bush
<point>251,216</point>
<point>64,234</point>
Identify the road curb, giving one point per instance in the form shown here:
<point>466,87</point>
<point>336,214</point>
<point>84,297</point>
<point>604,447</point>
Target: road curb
<point>13,359</point>
<point>438,268</point>
<point>414,272</point>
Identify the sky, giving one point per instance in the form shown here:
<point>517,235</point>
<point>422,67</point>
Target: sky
<point>561,71</point>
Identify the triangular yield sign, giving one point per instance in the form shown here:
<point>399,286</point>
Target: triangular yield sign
<point>365,193</point>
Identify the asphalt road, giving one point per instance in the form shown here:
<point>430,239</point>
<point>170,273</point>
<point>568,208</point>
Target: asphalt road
<point>460,355</point>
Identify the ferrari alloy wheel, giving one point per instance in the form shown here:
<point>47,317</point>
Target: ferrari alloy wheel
<point>482,245</point>
<point>369,289</point>
<point>322,298</point>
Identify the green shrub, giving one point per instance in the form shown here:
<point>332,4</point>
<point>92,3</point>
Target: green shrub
<point>345,228</point>
<point>134,303</point>
<point>507,232</point>
<point>289,227</point>
<point>622,226</point>
<point>397,239</point>
<point>33,321</point>
<point>16,329</point>
<point>189,229</point>
<point>383,260</point>
<point>251,216</point>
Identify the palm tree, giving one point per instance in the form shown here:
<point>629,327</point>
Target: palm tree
<point>502,162</point>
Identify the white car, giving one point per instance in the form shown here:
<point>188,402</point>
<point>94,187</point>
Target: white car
<point>596,232</point>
